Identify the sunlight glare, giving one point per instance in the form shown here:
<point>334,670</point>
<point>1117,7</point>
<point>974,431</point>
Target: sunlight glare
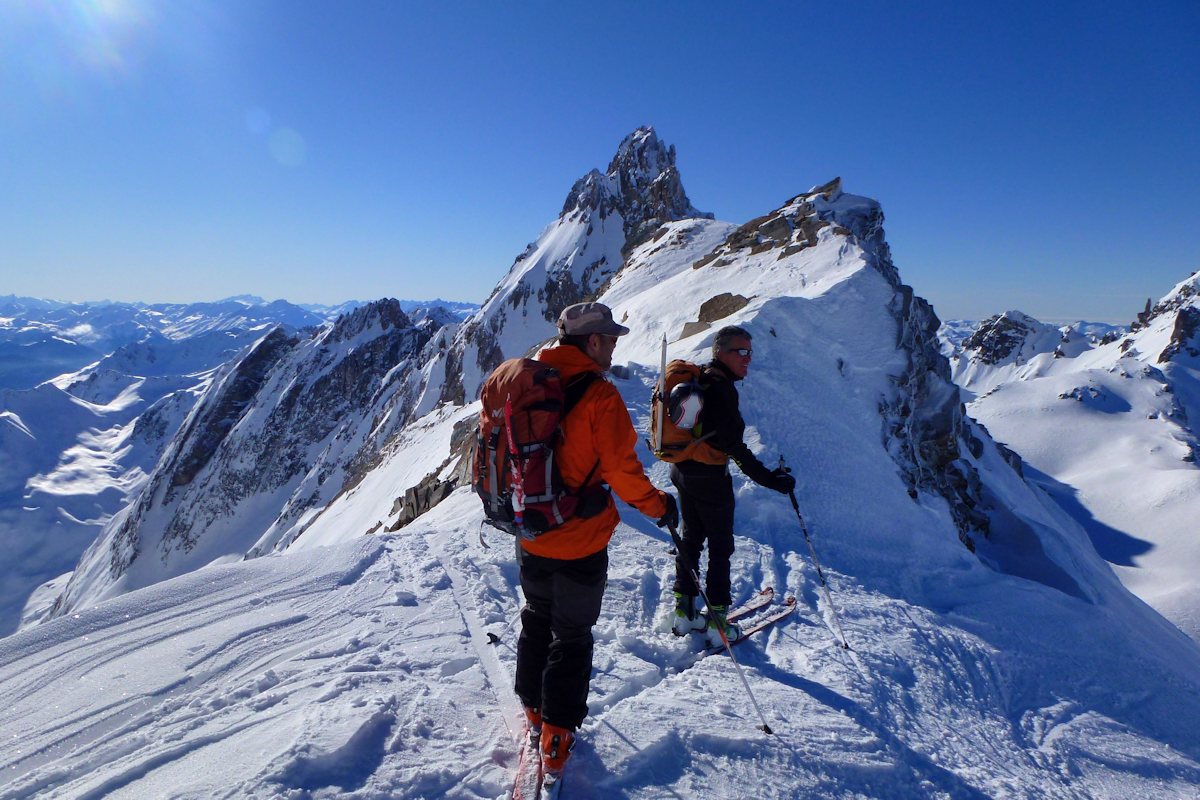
<point>106,31</point>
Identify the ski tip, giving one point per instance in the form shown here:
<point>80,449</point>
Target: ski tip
<point>493,638</point>
<point>766,729</point>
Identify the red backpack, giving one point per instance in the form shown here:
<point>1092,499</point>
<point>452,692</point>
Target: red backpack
<point>514,470</point>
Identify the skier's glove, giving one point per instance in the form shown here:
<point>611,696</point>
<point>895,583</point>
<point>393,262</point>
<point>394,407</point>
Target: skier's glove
<point>782,481</point>
<point>671,518</point>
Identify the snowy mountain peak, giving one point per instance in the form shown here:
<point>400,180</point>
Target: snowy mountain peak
<point>1186,292</point>
<point>244,299</point>
<point>1011,337</point>
<point>641,183</point>
<point>379,316</point>
<point>1183,302</point>
<point>606,216</point>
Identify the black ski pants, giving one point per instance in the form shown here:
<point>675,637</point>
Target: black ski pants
<point>706,506</point>
<point>554,651</point>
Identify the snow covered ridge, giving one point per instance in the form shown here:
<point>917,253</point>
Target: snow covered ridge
<point>1108,425</point>
<point>604,217</point>
<point>78,449</point>
<point>79,446</point>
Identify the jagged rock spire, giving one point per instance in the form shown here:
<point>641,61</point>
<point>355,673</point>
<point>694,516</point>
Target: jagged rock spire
<point>641,183</point>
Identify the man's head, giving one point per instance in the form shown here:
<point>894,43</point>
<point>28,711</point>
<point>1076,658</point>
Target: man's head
<point>590,327</point>
<point>732,348</point>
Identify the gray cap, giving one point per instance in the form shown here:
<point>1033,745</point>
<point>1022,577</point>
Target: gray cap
<point>585,318</point>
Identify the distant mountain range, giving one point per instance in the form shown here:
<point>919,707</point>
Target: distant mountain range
<point>94,393</point>
<point>40,338</point>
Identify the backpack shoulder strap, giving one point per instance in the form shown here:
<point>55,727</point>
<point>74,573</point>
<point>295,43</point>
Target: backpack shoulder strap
<point>572,395</point>
<point>575,390</point>
<point>710,375</point>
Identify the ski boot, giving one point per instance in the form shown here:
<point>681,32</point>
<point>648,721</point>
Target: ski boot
<point>687,618</point>
<point>557,744</point>
<point>718,624</point>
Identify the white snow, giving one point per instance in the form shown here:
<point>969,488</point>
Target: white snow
<point>1108,432</point>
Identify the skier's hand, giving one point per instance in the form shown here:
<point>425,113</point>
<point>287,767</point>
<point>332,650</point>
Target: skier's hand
<point>782,481</point>
<point>671,518</point>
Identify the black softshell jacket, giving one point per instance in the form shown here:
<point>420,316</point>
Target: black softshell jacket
<point>721,413</point>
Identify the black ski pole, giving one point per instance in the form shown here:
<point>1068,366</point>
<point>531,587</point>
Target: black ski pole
<point>816,562</point>
<point>765,728</point>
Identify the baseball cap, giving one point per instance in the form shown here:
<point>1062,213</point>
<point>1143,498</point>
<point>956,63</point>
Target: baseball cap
<point>585,318</point>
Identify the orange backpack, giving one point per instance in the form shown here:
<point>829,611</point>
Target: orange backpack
<point>680,444</point>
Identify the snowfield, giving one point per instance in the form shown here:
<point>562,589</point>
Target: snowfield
<point>1109,431</point>
<point>364,670</point>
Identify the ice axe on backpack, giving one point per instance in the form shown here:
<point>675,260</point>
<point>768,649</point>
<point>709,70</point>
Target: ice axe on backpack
<point>816,562</point>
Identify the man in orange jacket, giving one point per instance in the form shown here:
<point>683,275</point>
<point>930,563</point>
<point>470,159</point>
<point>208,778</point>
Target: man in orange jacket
<point>564,571</point>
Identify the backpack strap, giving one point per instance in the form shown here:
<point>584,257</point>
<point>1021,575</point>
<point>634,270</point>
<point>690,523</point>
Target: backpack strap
<point>572,395</point>
<point>576,388</point>
<point>710,375</point>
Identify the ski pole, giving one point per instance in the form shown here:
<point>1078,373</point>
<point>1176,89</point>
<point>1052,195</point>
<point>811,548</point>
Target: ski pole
<point>494,638</point>
<point>816,563</point>
<point>765,728</point>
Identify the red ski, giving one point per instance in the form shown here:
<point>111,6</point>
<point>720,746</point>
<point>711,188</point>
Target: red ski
<point>760,599</point>
<point>758,623</point>
<point>527,785</point>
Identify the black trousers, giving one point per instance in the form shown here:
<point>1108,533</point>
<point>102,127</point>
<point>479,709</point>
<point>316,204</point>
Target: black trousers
<point>706,506</point>
<point>554,651</point>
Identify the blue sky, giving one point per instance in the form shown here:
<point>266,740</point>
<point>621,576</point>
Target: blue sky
<point>1039,156</point>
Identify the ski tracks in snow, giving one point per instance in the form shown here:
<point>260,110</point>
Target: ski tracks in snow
<point>327,681</point>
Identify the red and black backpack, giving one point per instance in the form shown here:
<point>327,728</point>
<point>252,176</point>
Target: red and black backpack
<point>514,470</point>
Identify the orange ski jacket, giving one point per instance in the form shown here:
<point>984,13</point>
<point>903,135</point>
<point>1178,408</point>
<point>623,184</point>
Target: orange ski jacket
<point>598,429</point>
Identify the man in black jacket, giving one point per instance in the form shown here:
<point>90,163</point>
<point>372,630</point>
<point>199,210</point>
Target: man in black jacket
<point>706,489</point>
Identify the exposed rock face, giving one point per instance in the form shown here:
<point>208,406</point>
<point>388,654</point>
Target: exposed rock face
<point>437,485</point>
<point>205,431</point>
<point>998,337</point>
<point>1184,294</point>
<point>713,309</point>
<point>647,186</point>
<point>925,422</point>
<point>795,226</point>
<point>1183,336</point>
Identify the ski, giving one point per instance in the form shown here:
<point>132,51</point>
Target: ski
<point>760,599</point>
<point>552,786</point>
<point>758,624</point>
<point>527,785</point>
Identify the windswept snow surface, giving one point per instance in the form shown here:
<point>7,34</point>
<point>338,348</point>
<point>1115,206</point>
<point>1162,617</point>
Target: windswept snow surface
<point>362,668</point>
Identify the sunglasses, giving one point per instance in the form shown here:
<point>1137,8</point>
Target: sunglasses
<point>744,352</point>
